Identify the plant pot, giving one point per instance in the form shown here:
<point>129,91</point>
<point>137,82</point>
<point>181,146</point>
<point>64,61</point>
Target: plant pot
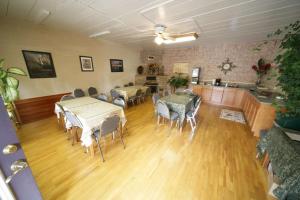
<point>292,123</point>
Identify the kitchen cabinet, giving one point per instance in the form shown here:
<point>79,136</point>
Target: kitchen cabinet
<point>259,115</point>
<point>217,94</point>
<point>238,98</point>
<point>229,95</point>
<point>206,94</point>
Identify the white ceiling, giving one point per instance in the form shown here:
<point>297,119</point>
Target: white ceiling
<point>132,21</point>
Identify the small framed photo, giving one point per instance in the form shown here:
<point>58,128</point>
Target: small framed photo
<point>39,64</point>
<point>116,65</point>
<point>86,63</point>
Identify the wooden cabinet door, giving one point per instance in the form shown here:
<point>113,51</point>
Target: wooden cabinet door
<point>217,95</point>
<point>239,98</point>
<point>229,97</point>
<point>206,94</point>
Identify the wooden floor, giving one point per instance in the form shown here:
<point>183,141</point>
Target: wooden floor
<point>219,163</point>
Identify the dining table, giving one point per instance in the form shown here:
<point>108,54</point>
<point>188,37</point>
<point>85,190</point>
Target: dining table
<point>180,103</point>
<point>91,112</point>
<point>130,91</point>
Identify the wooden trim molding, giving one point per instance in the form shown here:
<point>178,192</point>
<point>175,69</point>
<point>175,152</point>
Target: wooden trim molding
<point>34,109</point>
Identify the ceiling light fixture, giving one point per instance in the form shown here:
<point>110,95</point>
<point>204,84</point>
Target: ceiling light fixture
<point>99,34</point>
<point>158,40</point>
<point>161,39</point>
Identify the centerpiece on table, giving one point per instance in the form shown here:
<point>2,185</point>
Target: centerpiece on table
<point>261,70</point>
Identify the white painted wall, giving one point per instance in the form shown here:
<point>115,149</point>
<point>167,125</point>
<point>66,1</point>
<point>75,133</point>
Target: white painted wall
<point>65,48</point>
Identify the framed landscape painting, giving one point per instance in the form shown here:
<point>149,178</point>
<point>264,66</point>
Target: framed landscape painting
<point>116,65</point>
<point>39,64</point>
<point>86,63</point>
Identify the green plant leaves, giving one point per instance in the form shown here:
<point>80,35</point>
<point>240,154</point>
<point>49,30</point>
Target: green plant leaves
<point>17,71</point>
<point>12,82</point>
<point>3,74</point>
<point>11,94</point>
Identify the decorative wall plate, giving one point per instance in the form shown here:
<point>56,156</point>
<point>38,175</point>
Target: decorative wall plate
<point>226,66</point>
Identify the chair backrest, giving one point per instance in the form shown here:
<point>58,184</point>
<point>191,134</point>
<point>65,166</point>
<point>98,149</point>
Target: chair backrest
<point>117,86</point>
<point>73,119</point>
<point>61,109</point>
<point>66,97</point>
<point>125,85</point>
<point>114,94</point>
<point>130,84</point>
<point>197,108</point>
<point>92,91</point>
<point>155,98</point>
<point>162,109</point>
<point>138,92</point>
<point>103,97</point>
<point>119,102</point>
<point>109,125</point>
<point>78,93</point>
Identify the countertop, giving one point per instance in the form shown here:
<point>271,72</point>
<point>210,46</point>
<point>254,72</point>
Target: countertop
<point>265,97</point>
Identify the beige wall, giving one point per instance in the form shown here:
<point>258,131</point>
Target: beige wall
<point>65,48</point>
<point>208,57</point>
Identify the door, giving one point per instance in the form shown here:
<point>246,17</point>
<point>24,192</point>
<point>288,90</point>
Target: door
<point>22,185</point>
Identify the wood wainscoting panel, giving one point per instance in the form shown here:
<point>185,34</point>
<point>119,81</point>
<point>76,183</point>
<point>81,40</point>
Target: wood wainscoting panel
<point>33,109</point>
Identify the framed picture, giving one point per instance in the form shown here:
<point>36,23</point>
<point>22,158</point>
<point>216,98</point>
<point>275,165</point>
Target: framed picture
<point>39,64</point>
<point>86,63</point>
<point>116,65</point>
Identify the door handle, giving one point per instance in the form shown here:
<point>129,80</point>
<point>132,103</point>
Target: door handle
<point>16,167</point>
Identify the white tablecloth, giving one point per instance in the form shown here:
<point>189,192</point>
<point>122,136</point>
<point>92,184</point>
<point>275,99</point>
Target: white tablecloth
<point>91,112</point>
<point>130,91</point>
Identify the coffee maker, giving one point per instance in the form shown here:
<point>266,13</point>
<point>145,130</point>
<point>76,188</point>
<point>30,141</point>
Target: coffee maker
<point>218,82</point>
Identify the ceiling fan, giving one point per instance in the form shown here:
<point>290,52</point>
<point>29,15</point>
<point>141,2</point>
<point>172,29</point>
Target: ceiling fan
<point>162,37</point>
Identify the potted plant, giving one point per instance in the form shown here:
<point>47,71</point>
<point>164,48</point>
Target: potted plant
<point>9,87</point>
<point>178,80</point>
<point>261,70</point>
<point>288,63</point>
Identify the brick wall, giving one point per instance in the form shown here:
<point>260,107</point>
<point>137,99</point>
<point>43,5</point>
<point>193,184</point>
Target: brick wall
<point>208,57</point>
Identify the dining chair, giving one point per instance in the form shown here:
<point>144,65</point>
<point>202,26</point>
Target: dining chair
<point>164,112</point>
<point>119,102</point>
<point>139,96</point>
<point>131,84</point>
<point>191,116</point>
<point>92,91</point>
<point>73,124</point>
<point>67,97</point>
<point>134,99</point>
<point>103,97</point>
<point>145,94</point>
<point>109,126</point>
<point>114,94</point>
<point>78,93</point>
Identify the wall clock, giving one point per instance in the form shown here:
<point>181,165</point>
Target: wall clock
<point>226,66</point>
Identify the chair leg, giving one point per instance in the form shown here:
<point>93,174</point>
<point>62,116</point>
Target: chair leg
<point>72,136</point>
<point>121,136</point>
<point>99,147</point>
<point>158,120</point>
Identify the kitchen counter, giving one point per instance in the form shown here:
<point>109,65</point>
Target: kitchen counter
<point>263,97</point>
<point>256,105</point>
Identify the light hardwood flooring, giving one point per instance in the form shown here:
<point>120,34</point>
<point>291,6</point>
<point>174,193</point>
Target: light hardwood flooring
<point>219,163</point>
